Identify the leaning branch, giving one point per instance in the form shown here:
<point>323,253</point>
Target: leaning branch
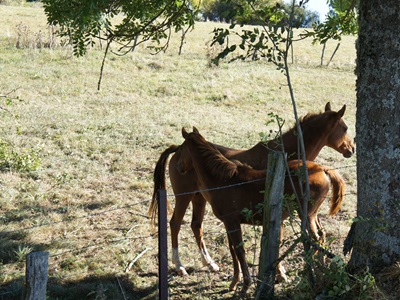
<point>109,41</point>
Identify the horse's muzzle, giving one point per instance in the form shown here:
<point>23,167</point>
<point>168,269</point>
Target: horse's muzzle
<point>349,151</point>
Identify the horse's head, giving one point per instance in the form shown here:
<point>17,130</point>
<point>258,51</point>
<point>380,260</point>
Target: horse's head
<point>339,138</point>
<point>184,163</point>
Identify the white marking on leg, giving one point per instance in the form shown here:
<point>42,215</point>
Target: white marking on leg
<point>281,273</point>
<point>207,260</point>
<point>177,262</point>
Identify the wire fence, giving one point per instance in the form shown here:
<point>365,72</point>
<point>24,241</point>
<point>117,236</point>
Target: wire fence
<point>69,219</point>
<point>113,241</point>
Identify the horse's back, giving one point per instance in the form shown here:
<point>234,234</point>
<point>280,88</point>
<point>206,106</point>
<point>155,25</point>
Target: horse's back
<point>317,178</point>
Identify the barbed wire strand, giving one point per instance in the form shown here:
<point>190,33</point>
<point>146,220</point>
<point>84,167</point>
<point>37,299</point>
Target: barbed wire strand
<point>97,245</point>
<point>4,233</point>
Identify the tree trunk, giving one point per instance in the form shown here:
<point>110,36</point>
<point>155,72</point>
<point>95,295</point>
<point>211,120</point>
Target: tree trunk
<point>376,235</point>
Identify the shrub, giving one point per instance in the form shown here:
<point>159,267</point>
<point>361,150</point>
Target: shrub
<point>10,160</point>
<point>333,281</point>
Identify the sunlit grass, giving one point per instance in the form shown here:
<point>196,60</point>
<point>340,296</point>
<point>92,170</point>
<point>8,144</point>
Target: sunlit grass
<point>96,150</point>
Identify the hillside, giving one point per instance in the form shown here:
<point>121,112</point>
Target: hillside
<point>77,163</point>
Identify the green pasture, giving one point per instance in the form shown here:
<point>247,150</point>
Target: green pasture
<point>76,163</point>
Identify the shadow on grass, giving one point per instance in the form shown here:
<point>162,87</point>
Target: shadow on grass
<point>13,249</point>
<point>95,287</point>
<point>141,286</point>
<point>13,253</point>
<point>200,284</point>
<point>31,212</point>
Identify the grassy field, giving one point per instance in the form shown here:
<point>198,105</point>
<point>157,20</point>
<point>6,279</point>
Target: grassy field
<point>76,163</point>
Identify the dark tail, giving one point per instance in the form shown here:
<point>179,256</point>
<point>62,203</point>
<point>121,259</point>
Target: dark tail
<point>159,180</point>
<point>339,189</point>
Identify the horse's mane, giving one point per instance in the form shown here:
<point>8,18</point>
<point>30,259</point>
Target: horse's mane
<point>310,117</point>
<point>313,122</point>
<point>214,162</point>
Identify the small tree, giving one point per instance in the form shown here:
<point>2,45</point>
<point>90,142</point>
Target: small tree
<point>341,20</point>
<point>272,41</point>
<point>248,12</point>
<point>84,21</point>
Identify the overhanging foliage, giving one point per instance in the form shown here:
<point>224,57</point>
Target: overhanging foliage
<point>127,22</point>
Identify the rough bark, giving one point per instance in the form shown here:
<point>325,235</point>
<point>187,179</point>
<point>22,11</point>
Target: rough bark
<point>376,236</point>
<point>272,219</point>
<point>36,275</point>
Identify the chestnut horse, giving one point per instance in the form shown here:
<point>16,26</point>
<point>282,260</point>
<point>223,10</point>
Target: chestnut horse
<point>214,171</point>
<point>319,130</point>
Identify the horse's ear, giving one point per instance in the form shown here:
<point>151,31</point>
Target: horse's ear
<point>195,130</point>
<point>328,106</point>
<point>340,113</point>
<point>185,134</point>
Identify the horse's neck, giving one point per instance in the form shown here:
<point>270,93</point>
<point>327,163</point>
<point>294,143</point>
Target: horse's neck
<point>257,155</point>
<point>313,143</point>
<point>211,167</point>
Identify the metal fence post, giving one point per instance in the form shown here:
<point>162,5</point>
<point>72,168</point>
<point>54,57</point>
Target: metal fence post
<point>162,245</point>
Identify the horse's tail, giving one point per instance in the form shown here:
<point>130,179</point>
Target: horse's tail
<point>339,189</point>
<point>159,181</point>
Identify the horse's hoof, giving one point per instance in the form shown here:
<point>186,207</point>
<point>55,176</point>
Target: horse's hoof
<point>243,292</point>
<point>213,267</point>
<point>281,278</point>
<point>182,272</point>
<point>233,285</point>
<point>281,274</point>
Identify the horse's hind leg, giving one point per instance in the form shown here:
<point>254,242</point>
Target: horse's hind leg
<point>236,268</point>
<point>321,231</point>
<point>313,221</point>
<point>199,206</point>
<point>236,246</point>
<point>316,228</point>
<point>280,269</point>
<point>181,204</point>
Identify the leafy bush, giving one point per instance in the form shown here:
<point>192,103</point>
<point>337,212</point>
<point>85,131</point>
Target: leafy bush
<point>333,281</point>
<point>343,284</point>
<point>10,160</point>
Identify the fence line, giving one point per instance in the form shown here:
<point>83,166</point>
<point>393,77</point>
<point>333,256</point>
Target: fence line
<point>4,233</point>
<point>96,245</point>
<point>238,184</point>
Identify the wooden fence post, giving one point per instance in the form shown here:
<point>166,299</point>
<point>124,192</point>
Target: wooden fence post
<point>270,239</point>
<point>162,245</point>
<point>36,275</point>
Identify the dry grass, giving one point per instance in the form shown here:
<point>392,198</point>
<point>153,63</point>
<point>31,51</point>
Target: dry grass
<point>87,202</point>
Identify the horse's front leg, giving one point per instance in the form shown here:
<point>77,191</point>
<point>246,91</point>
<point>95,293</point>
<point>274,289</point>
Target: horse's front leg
<point>181,204</point>
<point>199,206</point>
<point>280,273</point>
